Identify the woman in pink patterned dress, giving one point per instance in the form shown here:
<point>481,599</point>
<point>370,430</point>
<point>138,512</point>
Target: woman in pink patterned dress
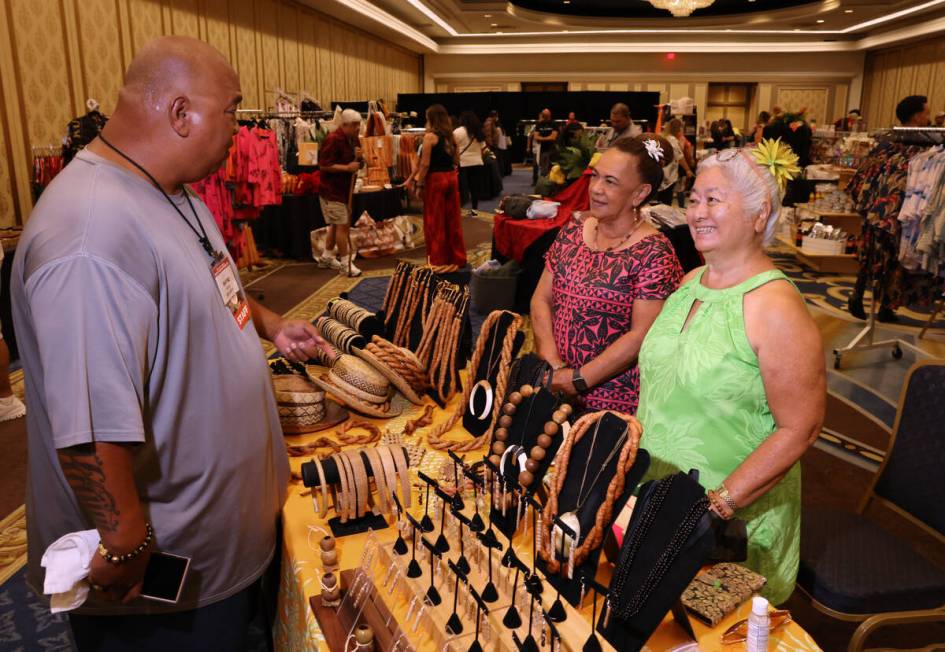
<point>605,280</point>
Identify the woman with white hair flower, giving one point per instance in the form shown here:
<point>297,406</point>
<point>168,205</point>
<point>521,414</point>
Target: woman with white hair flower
<point>732,378</point>
<point>606,277</point>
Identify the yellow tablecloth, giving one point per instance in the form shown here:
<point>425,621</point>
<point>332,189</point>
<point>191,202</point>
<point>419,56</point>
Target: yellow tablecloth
<point>298,631</point>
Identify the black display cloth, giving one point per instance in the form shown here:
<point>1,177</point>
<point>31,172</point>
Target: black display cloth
<point>284,230</point>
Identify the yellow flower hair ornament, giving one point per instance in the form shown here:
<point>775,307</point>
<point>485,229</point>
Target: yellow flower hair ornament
<point>779,158</point>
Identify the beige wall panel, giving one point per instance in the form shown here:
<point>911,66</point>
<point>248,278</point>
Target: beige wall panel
<point>39,51</point>
<point>325,62</point>
<point>308,63</point>
<point>218,26</point>
<point>336,54</point>
<point>290,35</point>
<point>596,86</point>
<point>677,91</point>
<point>358,51</point>
<point>100,45</point>
<point>267,26</point>
<point>242,15</point>
<point>146,22</point>
<point>7,202</point>
<point>185,16</point>
<point>813,99</point>
<point>839,104</point>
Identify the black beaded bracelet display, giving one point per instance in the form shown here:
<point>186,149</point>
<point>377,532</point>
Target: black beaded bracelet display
<point>112,558</point>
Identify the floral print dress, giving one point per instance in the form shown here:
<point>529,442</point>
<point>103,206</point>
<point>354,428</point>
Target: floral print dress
<point>592,296</point>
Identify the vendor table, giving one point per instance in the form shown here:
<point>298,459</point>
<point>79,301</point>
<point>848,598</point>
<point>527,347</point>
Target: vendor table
<point>380,204</point>
<point>297,629</point>
<point>285,228</point>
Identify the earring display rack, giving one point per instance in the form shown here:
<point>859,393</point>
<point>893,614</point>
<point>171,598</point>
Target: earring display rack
<point>573,631</point>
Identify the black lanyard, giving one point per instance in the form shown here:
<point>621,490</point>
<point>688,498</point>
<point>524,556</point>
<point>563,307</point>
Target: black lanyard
<point>202,234</point>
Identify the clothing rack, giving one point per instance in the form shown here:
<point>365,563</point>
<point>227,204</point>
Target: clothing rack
<point>912,135</point>
<point>266,113</point>
<point>865,339</point>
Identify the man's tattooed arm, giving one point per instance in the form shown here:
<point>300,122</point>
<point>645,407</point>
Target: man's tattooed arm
<point>102,478</point>
<point>83,468</point>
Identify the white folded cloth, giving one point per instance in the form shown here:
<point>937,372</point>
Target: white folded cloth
<point>68,561</point>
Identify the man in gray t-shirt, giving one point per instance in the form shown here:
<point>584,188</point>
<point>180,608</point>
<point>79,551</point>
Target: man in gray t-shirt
<point>151,407</point>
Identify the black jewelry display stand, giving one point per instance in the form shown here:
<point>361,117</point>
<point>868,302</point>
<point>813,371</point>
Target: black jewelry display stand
<point>584,457</point>
<point>632,634</point>
<point>471,420</point>
<point>528,423</point>
<point>371,326</point>
<point>369,521</point>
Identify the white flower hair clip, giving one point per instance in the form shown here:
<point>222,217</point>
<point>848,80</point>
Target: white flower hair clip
<point>654,149</point>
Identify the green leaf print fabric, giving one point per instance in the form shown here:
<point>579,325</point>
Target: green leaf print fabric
<point>703,406</point>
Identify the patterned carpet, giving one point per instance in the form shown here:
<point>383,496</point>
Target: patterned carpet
<point>831,292</point>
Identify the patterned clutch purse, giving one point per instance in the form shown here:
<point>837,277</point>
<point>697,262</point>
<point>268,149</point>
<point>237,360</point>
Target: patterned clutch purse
<point>717,592</point>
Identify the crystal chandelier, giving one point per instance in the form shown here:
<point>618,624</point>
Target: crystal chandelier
<point>680,8</point>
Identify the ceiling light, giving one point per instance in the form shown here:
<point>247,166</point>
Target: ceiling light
<point>493,24</point>
<point>487,15</point>
<point>820,20</point>
<point>848,11</point>
<point>680,8</point>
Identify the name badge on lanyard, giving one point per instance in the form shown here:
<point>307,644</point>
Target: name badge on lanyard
<point>229,288</point>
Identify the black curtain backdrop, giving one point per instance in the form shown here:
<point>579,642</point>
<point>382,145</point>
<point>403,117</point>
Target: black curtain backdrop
<point>590,106</point>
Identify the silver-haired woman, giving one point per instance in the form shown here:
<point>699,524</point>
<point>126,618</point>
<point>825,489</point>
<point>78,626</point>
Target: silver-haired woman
<point>732,372</point>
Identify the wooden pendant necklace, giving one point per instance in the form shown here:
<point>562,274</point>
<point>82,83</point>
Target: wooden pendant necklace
<point>623,240</point>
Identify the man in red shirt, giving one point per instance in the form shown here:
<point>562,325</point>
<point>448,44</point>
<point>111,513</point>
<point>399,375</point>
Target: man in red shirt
<point>339,158</point>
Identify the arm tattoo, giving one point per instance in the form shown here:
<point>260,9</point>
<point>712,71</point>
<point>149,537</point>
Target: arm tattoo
<point>82,467</point>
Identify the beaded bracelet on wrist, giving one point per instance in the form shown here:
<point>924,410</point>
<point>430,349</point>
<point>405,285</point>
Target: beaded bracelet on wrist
<point>117,559</point>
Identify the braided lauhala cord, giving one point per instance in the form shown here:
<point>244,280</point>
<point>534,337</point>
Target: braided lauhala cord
<point>434,325</point>
<point>395,289</point>
<point>446,373</point>
<point>406,310</point>
<point>628,455</point>
<point>443,373</point>
<point>434,437</point>
<point>392,355</point>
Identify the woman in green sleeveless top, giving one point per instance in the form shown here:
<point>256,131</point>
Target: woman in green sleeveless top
<point>732,371</point>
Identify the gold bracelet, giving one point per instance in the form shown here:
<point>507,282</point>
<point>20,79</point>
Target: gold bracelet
<point>727,497</point>
<point>379,480</point>
<point>323,511</point>
<point>343,484</point>
<point>362,487</point>
<point>721,508</point>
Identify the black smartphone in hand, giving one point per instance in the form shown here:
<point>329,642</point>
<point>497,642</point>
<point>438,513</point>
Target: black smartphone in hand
<point>164,577</point>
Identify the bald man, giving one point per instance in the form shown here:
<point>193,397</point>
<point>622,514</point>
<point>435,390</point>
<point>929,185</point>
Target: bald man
<point>151,413</point>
